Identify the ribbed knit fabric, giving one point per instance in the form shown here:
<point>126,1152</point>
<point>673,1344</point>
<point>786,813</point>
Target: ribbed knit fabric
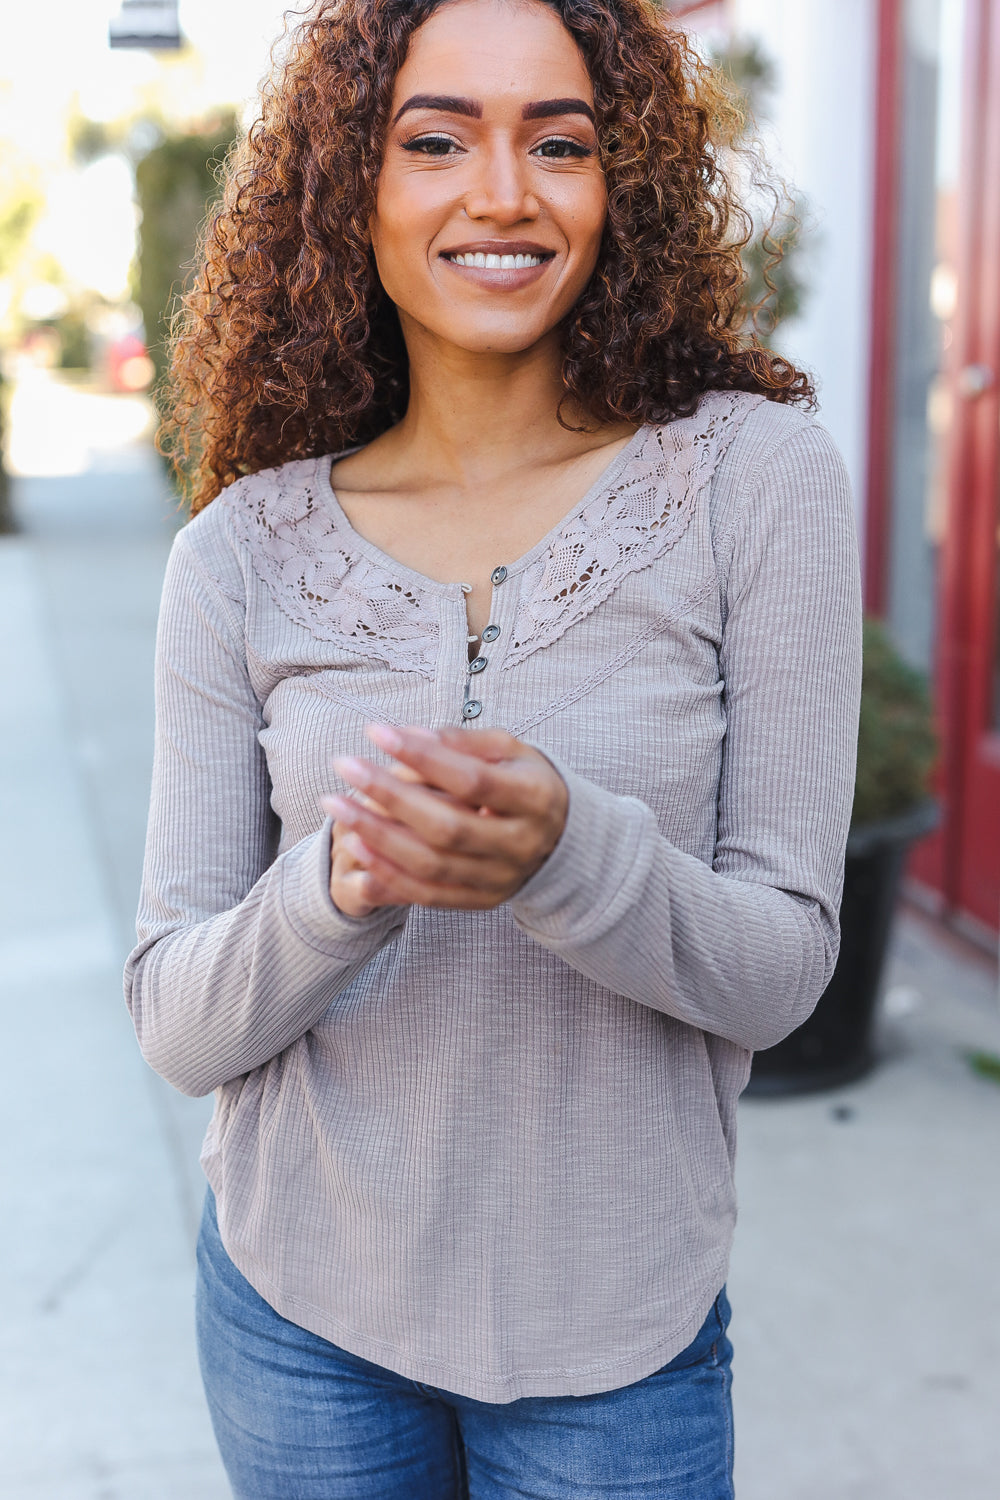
<point>493,1150</point>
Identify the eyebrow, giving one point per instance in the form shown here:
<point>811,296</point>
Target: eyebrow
<point>446,104</point>
<point>449,104</point>
<point>544,109</point>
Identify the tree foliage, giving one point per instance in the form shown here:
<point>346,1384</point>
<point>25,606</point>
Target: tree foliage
<point>176,185</point>
<point>776,287</point>
<point>19,207</point>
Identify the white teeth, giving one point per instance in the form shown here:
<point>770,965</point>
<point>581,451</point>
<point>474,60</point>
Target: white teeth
<point>496,262</point>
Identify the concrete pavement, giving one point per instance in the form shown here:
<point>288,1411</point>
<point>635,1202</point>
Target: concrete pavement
<point>866,1321</point>
<point>100,1397</point>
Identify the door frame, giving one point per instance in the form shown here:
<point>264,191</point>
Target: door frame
<point>957,869</point>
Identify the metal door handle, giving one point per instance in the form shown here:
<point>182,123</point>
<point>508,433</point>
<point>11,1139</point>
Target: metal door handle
<point>973,380</point>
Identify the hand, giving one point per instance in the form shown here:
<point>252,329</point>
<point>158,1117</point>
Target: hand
<point>348,876</point>
<point>463,820</point>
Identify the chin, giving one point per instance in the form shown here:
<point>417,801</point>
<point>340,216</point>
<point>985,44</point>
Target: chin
<point>490,339</point>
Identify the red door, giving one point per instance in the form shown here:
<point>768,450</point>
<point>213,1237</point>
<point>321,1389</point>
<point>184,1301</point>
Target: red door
<point>970,662</point>
<point>963,861</point>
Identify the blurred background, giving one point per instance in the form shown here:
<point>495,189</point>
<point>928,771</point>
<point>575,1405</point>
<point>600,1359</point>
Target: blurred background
<point>866,1318</point>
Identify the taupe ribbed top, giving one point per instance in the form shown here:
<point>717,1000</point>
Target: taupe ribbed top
<point>493,1150</point>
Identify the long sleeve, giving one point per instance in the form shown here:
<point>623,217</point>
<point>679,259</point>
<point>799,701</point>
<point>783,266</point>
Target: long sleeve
<point>743,947</point>
<point>506,1152</point>
<point>239,952</point>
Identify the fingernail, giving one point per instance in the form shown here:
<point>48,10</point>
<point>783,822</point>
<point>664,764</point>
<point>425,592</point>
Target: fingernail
<point>336,807</point>
<point>352,770</point>
<point>386,737</point>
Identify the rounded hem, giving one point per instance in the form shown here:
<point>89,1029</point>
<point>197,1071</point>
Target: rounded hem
<point>588,1380</point>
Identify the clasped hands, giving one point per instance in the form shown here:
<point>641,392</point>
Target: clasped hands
<point>462,819</point>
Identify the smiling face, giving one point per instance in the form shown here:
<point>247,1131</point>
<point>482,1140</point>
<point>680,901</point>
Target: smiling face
<point>491,200</point>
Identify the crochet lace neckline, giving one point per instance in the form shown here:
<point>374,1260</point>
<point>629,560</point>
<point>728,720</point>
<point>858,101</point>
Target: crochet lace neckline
<point>328,578</point>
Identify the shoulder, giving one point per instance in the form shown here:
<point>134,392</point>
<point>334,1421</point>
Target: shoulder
<point>761,429</point>
<point>774,435</point>
<point>249,519</point>
<point>271,497</point>
<point>779,455</point>
<point>779,480</point>
<point>710,460</point>
<point>733,435</point>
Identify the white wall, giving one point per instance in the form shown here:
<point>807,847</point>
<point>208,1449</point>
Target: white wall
<point>822,135</point>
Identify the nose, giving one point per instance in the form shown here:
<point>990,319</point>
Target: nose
<point>501,190</point>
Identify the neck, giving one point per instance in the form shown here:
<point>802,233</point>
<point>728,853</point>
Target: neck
<point>473,416</point>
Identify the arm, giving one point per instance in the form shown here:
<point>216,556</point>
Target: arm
<point>743,948</point>
<point>239,952</point>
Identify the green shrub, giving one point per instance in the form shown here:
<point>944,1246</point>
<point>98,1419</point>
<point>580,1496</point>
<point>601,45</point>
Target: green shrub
<point>896,741</point>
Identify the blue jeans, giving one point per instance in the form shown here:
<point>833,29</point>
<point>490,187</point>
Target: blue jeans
<point>298,1418</point>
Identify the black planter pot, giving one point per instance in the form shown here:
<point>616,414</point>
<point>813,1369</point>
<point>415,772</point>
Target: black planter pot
<point>834,1046</point>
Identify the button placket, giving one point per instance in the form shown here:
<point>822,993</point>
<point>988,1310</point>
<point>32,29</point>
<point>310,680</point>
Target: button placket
<point>473,707</point>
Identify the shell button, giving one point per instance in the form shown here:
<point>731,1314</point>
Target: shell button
<point>498,575</point>
<point>472,709</point>
<point>478,664</point>
<point>491,632</point>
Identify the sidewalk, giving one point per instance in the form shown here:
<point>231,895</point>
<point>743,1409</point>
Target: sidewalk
<point>100,1397</point>
<point>867,1327</point>
<point>868,1330</point>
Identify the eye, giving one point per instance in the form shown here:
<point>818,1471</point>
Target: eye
<point>430,145</point>
<point>558,148</point>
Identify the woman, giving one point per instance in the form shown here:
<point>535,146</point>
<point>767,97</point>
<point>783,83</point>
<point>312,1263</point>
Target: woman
<point>514,532</point>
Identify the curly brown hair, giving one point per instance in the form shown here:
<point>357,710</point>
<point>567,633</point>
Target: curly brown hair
<point>288,347</point>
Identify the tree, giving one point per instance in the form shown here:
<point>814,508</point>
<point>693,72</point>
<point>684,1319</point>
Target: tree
<point>775,287</point>
<point>19,207</point>
<point>176,184</point>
